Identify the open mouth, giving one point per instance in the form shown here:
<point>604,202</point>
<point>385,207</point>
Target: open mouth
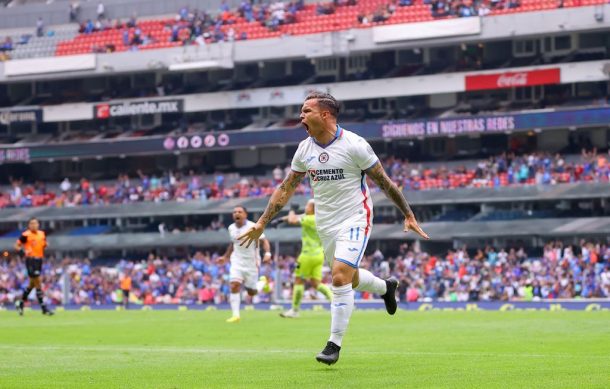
<point>305,125</point>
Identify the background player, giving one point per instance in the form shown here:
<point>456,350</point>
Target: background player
<point>244,261</point>
<point>31,245</point>
<point>125,285</point>
<point>337,161</point>
<point>310,261</point>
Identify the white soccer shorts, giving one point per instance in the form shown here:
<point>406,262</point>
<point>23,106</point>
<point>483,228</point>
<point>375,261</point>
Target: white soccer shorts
<point>347,245</point>
<point>246,277</point>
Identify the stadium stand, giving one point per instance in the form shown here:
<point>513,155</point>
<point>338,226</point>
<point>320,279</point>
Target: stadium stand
<point>485,274</point>
<point>32,46</point>
<point>132,131</point>
<point>501,171</point>
<point>465,187</point>
<point>268,20</point>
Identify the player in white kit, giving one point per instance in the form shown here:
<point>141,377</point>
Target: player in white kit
<point>244,261</point>
<point>337,162</point>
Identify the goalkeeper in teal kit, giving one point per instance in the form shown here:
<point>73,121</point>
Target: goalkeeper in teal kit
<point>311,260</point>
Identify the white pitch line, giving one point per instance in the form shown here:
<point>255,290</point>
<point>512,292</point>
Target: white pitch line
<point>119,349</point>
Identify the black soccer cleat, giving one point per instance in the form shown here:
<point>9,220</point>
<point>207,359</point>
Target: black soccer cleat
<point>389,298</point>
<point>47,312</point>
<point>330,354</point>
<point>19,307</point>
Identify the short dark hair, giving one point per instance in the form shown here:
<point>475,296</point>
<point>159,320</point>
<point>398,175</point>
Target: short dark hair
<point>242,207</point>
<point>326,101</point>
<point>32,219</point>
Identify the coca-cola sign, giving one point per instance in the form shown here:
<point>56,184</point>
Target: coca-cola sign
<point>513,79</point>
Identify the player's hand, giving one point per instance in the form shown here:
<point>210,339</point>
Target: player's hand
<point>221,260</point>
<point>411,225</point>
<point>252,235</point>
<point>267,258</point>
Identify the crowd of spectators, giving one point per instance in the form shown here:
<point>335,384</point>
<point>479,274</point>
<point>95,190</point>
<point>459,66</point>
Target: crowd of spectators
<point>205,28</point>
<point>438,8</point>
<point>503,170</point>
<point>506,169</point>
<point>379,15</point>
<point>156,280</point>
<point>466,8</point>
<point>169,186</point>
<point>194,26</point>
<point>487,274</point>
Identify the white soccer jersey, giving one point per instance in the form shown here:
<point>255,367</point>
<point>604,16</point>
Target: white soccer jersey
<point>336,174</point>
<point>242,257</point>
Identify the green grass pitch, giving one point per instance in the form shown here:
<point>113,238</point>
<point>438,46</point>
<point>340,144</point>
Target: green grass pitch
<point>186,349</point>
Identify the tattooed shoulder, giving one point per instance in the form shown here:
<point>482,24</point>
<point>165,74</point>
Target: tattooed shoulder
<point>293,179</point>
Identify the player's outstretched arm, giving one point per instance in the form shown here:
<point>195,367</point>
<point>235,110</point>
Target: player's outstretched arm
<point>378,175</point>
<point>292,218</point>
<point>226,255</point>
<point>278,199</point>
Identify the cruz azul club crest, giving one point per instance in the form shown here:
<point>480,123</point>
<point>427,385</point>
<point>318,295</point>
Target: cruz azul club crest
<point>323,158</point>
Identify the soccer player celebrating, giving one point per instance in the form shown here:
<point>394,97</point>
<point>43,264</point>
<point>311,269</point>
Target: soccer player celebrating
<point>337,162</point>
<point>244,261</point>
<point>309,263</point>
<point>31,245</point>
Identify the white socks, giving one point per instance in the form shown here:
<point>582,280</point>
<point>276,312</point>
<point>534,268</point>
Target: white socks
<point>340,310</point>
<point>235,299</point>
<point>367,282</point>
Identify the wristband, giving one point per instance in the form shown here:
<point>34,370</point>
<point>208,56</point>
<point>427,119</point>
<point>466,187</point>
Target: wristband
<point>268,253</point>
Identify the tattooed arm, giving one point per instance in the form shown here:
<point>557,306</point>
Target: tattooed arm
<point>278,199</point>
<point>280,196</point>
<point>378,175</point>
<point>392,192</point>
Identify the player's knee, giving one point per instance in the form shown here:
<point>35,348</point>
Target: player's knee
<point>340,281</point>
<point>341,278</point>
<point>314,282</point>
<point>235,286</point>
<point>251,292</point>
